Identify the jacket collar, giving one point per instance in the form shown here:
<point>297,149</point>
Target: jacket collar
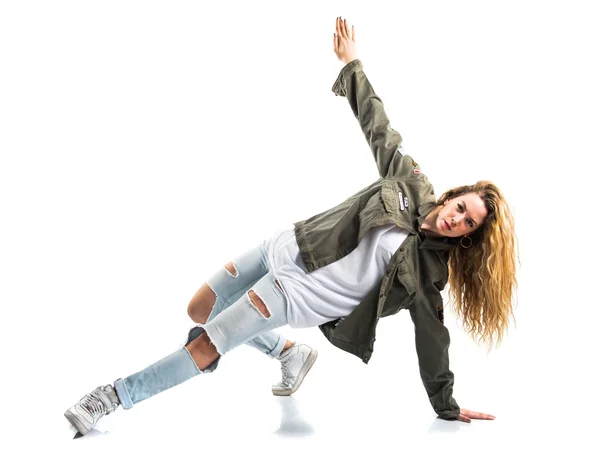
<point>431,243</point>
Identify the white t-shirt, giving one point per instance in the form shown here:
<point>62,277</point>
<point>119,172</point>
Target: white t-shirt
<point>335,290</point>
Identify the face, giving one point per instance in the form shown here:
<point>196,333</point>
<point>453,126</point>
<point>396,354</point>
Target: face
<point>461,215</point>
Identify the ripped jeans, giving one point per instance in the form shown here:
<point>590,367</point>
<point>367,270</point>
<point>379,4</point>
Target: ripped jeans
<point>234,320</point>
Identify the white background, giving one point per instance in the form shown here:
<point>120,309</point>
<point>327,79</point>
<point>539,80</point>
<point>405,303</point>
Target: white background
<point>145,144</point>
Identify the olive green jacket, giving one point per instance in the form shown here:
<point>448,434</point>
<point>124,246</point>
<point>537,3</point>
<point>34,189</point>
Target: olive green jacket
<point>417,272</point>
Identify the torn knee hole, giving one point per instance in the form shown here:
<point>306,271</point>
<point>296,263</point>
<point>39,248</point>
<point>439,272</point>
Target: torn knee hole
<point>231,269</point>
<point>202,304</point>
<point>258,304</point>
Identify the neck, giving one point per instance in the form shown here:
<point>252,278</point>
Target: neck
<point>428,225</point>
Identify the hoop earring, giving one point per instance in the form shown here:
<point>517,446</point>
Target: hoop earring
<point>470,240</point>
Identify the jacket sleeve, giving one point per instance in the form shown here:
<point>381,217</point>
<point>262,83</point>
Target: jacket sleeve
<point>384,141</point>
<point>432,341</point>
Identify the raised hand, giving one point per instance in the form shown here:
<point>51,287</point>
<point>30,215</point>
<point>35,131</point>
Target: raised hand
<point>466,416</point>
<point>344,44</point>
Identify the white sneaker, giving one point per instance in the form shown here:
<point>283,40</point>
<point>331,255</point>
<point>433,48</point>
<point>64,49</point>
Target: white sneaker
<point>92,407</point>
<point>295,363</point>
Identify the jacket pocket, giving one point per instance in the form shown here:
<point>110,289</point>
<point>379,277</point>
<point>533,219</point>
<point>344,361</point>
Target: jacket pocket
<point>389,195</point>
<point>407,278</point>
<point>402,292</point>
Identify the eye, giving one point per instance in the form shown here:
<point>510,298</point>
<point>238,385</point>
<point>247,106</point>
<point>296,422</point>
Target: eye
<point>460,207</point>
<point>470,222</point>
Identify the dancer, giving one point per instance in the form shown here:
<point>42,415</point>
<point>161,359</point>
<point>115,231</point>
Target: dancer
<point>390,246</point>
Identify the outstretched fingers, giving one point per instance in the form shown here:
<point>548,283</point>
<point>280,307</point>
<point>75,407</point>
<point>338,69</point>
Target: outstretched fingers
<point>466,415</point>
<point>341,27</point>
<point>343,41</point>
<point>481,416</point>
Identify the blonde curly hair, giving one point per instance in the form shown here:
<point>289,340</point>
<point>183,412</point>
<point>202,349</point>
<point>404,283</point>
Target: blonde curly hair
<point>482,277</point>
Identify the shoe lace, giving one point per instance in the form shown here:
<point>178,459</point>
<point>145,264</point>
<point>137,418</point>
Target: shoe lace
<point>94,405</point>
<point>284,373</point>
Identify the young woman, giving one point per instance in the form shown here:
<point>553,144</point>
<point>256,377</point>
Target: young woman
<point>390,246</point>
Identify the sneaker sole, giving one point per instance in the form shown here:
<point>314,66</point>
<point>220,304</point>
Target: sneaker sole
<point>310,360</point>
<point>73,420</point>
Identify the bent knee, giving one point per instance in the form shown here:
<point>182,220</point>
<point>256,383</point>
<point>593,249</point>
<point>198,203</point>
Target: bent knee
<point>202,304</point>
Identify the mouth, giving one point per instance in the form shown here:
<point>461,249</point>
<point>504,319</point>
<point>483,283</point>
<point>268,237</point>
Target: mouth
<point>447,226</point>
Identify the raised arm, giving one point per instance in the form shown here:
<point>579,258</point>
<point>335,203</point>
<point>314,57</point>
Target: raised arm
<point>352,83</point>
